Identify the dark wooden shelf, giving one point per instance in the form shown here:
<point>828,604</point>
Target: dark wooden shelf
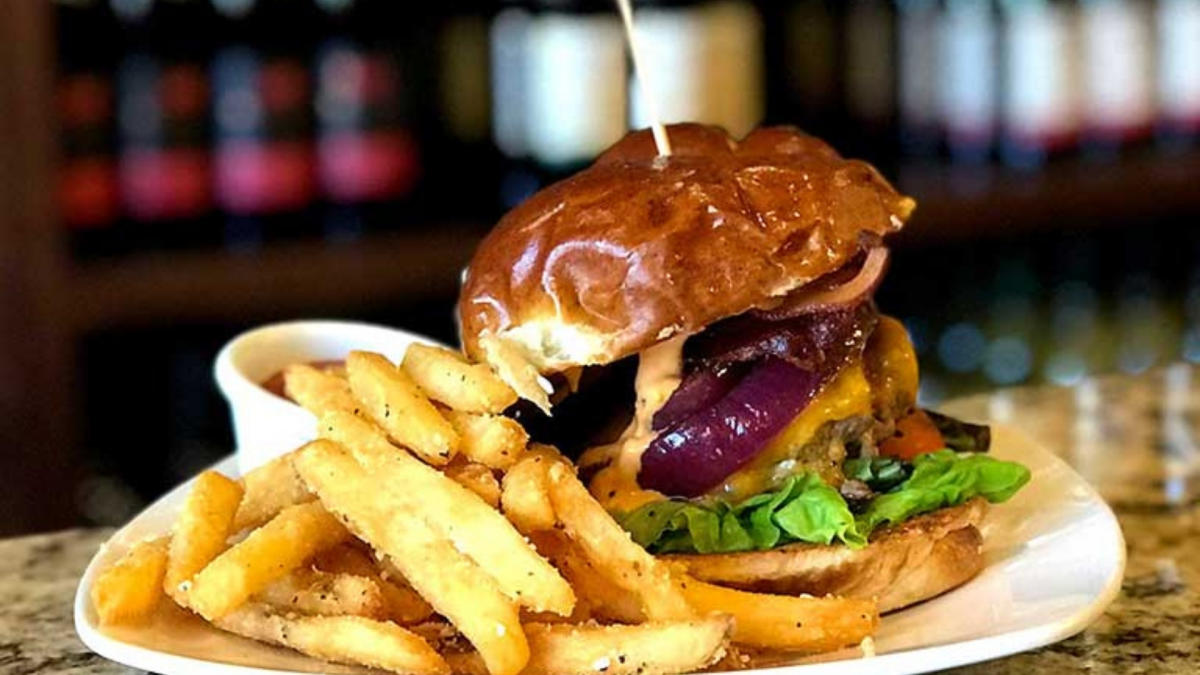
<point>957,202</point>
<point>280,280</point>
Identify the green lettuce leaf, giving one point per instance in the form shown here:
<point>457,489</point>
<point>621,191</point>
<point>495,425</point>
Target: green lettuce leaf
<point>944,478</point>
<point>802,509</point>
<point>805,509</point>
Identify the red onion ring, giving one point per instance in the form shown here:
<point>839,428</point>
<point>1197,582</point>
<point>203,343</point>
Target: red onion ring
<point>696,453</point>
<point>699,389</point>
<point>815,297</point>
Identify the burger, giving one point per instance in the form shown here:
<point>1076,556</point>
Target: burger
<point>756,417</point>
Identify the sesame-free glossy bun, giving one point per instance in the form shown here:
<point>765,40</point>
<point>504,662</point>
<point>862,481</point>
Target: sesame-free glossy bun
<point>904,564</point>
<point>638,248</point>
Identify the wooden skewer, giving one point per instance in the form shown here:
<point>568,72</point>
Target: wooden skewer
<point>643,77</point>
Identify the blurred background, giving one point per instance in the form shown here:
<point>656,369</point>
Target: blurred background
<point>175,171</point>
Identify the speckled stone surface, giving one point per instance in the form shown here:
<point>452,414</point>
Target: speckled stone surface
<point>1137,439</point>
<point>37,585</point>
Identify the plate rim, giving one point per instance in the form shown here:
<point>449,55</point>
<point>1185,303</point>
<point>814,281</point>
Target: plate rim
<point>915,660</point>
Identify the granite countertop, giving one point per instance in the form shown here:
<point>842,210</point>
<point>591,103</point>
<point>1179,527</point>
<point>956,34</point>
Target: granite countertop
<point>37,590</point>
<point>1134,438</point>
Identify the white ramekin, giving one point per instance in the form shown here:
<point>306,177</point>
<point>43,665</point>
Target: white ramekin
<point>265,425</point>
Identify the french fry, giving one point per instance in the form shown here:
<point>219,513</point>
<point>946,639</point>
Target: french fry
<point>269,489</point>
<point>610,549</point>
<point>494,561</point>
<point>317,391</point>
<point>132,587</point>
<point>658,648</point>
<point>478,479</point>
<point>344,639</point>
<point>456,514</point>
<point>450,581</point>
<point>492,440</point>
<point>401,603</point>
<point>309,591</point>
<point>267,554</point>
<point>394,401</point>
<point>644,649</point>
<point>404,605</point>
<point>597,596</point>
<point>525,493</point>
<point>783,621</point>
<point>451,380</point>
<point>201,529</point>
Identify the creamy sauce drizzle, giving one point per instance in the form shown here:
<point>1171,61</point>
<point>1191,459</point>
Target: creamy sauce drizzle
<point>660,370</point>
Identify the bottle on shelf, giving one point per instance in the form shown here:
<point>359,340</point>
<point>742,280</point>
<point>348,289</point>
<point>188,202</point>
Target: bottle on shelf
<point>869,58</point>
<point>263,158</point>
<point>1039,114</point>
<point>674,37</point>
<point>1177,37</point>
<point>734,81</point>
<point>368,154</point>
<point>968,78</point>
<point>705,61</point>
<point>87,192</point>
<point>457,114</point>
<point>804,66</point>
<point>1117,101</point>
<point>508,49</point>
<point>576,95</point>
<point>558,90</point>
<point>917,77</point>
<point>163,122</point>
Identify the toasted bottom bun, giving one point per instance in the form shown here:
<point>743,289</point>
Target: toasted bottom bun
<point>919,559</point>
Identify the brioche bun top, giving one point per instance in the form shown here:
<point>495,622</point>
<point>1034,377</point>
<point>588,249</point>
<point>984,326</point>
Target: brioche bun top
<point>639,248</point>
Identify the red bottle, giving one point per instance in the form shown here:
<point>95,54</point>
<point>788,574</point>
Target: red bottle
<point>264,169</point>
<point>368,159</point>
<point>88,195</point>
<point>163,123</point>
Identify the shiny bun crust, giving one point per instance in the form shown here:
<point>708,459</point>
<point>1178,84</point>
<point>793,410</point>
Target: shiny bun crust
<point>920,559</point>
<point>638,248</point>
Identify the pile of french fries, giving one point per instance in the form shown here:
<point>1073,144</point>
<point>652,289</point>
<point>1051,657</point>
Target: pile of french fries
<point>423,533</point>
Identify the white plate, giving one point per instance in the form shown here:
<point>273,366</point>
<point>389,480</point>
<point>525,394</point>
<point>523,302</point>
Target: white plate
<point>1055,559</point>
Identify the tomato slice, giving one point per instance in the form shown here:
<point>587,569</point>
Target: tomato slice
<point>915,435</point>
